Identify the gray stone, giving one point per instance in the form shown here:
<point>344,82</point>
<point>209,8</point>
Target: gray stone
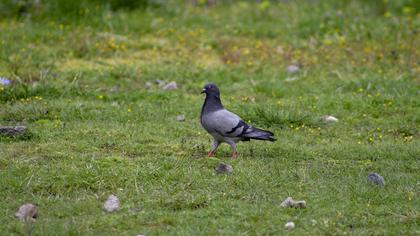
<point>160,82</point>
<point>171,86</point>
<point>375,178</point>
<point>224,168</point>
<point>13,130</point>
<point>289,202</point>
<point>27,212</point>
<point>289,225</point>
<point>300,204</point>
<point>292,69</point>
<point>115,89</point>
<point>180,118</point>
<point>148,85</point>
<point>112,204</point>
<point>329,119</point>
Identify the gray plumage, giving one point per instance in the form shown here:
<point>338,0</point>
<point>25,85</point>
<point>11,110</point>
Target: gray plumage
<point>226,126</point>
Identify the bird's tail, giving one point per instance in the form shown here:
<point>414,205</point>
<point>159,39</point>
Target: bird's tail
<point>260,135</point>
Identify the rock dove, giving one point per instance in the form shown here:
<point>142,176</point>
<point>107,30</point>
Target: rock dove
<point>226,126</point>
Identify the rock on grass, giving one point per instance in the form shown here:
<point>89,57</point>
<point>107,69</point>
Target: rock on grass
<point>289,202</point>
<point>112,204</point>
<point>329,119</point>
<point>375,178</point>
<point>160,82</point>
<point>180,118</point>
<point>289,225</point>
<point>148,85</point>
<point>293,69</point>
<point>27,212</point>
<point>13,130</point>
<point>170,86</point>
<point>224,169</point>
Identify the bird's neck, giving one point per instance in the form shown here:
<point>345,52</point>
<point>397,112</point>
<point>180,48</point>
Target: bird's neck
<point>212,103</point>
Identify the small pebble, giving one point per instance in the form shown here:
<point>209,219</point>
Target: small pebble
<point>289,202</point>
<point>293,69</point>
<point>27,211</point>
<point>171,86</point>
<point>13,130</point>
<point>160,82</point>
<point>224,168</point>
<point>300,204</point>
<point>289,225</point>
<point>180,118</point>
<point>115,89</point>
<point>135,210</point>
<point>330,119</point>
<point>112,204</point>
<point>148,85</point>
<point>375,178</point>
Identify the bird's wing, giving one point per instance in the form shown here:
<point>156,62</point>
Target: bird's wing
<point>225,123</point>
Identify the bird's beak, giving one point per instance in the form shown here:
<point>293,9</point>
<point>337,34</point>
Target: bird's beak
<point>203,91</point>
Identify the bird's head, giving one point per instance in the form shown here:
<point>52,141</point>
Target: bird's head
<point>211,89</point>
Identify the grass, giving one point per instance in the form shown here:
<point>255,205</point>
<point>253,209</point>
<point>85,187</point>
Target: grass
<point>79,85</point>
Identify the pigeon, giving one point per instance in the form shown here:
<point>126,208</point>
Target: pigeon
<point>226,126</point>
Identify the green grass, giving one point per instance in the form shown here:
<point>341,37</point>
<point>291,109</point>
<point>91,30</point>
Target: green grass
<point>95,129</point>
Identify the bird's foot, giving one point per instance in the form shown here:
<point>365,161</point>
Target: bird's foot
<point>234,155</point>
<point>211,154</point>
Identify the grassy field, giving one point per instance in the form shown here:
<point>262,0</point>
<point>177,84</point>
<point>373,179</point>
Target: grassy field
<point>84,85</point>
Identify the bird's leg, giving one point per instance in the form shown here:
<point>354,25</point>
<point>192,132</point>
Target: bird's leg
<point>214,146</point>
<point>234,152</point>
